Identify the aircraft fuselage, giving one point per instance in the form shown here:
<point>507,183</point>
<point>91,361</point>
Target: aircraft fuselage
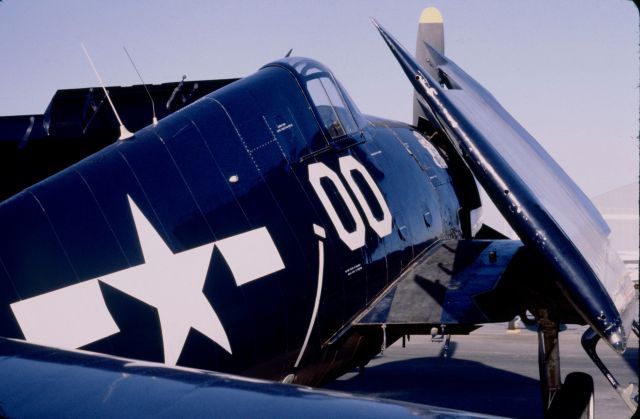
<point>238,235</point>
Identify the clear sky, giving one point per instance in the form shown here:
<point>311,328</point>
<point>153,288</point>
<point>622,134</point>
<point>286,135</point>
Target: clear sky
<point>568,71</point>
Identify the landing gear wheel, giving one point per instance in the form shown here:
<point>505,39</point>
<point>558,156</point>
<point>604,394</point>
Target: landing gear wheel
<point>575,399</point>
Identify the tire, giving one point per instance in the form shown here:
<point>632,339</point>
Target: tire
<point>575,399</point>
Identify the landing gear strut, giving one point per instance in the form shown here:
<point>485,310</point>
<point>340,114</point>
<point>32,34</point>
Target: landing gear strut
<point>629,394</point>
<point>571,399</point>
<point>548,358</point>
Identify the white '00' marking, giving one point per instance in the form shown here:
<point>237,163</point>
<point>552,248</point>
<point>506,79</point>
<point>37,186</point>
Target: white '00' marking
<point>348,164</point>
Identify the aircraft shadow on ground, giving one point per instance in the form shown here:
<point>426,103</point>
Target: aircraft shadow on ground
<point>450,383</point>
<point>631,358</point>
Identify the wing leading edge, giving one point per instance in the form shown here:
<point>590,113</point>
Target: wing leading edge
<point>541,203</point>
<point>92,385</point>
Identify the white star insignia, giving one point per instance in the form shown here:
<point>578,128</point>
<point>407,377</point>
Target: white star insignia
<point>172,283</point>
<point>77,315</point>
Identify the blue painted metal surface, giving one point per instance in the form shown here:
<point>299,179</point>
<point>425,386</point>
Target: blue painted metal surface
<point>76,384</point>
<point>304,213</point>
<point>542,204</point>
<point>236,160</point>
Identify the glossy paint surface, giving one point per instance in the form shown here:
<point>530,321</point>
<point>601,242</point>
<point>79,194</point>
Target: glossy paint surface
<point>197,188</point>
<point>79,384</point>
<point>542,204</point>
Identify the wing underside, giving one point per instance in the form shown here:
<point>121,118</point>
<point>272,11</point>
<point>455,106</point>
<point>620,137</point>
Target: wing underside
<point>461,283</point>
<point>551,215</point>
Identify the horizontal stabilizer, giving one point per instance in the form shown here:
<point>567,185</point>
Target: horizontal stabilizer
<point>79,122</point>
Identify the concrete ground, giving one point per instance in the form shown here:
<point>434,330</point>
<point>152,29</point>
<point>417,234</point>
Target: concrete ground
<point>491,371</point>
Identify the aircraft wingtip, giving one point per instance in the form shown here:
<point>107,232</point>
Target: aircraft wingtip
<point>430,15</point>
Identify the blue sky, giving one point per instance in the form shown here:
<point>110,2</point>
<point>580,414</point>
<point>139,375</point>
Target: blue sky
<point>568,71</point>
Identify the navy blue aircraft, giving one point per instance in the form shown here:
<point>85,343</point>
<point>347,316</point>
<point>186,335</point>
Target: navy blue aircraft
<point>266,227</point>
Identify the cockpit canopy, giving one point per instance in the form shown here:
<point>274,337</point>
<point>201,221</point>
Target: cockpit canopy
<point>333,107</point>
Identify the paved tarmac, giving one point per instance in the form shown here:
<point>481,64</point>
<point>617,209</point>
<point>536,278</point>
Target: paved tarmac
<point>491,371</point>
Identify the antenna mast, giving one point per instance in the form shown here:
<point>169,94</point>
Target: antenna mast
<point>124,132</point>
<point>153,105</point>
